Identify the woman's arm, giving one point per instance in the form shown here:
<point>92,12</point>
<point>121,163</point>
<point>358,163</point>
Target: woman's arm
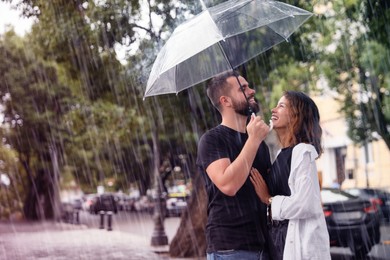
<point>305,198</point>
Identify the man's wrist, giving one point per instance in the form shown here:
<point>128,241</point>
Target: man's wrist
<point>269,201</point>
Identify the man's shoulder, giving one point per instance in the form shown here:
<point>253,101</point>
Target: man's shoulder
<point>213,137</point>
<point>215,131</point>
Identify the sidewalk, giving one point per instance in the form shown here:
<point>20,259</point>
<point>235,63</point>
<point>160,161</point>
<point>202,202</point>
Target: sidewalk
<point>61,241</point>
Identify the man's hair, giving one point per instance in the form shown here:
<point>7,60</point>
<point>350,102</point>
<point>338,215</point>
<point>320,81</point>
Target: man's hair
<point>218,87</point>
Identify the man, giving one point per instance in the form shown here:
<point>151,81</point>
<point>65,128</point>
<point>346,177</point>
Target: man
<point>236,223</point>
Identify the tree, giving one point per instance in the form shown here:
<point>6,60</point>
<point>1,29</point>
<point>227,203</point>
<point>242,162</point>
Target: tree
<point>11,195</point>
<point>98,83</point>
<point>33,104</point>
<point>353,49</point>
<point>375,62</point>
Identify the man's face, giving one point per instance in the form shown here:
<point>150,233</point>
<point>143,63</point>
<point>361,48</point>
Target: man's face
<point>239,103</point>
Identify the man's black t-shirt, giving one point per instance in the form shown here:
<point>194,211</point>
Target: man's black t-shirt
<point>277,181</point>
<point>234,222</point>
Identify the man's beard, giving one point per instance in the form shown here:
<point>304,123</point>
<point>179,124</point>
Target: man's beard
<point>242,108</point>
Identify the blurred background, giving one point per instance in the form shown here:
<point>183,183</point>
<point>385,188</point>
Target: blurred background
<point>74,125</point>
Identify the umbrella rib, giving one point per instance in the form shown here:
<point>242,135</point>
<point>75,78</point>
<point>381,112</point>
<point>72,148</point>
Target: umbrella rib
<point>224,55</point>
<point>228,14</point>
<point>175,75</point>
<point>239,83</point>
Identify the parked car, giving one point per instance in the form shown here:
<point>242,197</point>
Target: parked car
<point>69,210</point>
<point>128,204</point>
<point>88,201</point>
<point>104,202</point>
<point>121,201</point>
<point>144,204</point>
<point>352,221</point>
<point>379,197</point>
<point>176,204</point>
<point>77,203</point>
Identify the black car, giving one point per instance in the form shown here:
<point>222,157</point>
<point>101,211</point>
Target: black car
<point>352,222</point>
<point>105,202</point>
<point>379,197</point>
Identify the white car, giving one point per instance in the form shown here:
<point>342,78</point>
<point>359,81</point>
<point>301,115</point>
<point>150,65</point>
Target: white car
<point>176,206</point>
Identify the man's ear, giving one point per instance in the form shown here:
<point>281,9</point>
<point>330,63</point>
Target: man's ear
<point>225,101</point>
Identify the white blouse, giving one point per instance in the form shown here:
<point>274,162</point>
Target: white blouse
<point>307,233</point>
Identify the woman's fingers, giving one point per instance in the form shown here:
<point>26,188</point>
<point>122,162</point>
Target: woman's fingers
<point>256,176</point>
<point>259,184</point>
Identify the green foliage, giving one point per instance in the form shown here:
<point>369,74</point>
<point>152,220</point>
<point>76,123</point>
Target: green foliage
<point>11,197</point>
<point>348,46</point>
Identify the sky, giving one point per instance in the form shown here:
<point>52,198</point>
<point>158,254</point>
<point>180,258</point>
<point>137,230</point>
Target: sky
<point>12,17</point>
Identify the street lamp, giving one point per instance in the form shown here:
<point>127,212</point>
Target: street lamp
<point>159,238</point>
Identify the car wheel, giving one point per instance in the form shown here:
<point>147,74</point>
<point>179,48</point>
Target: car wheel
<point>360,250</point>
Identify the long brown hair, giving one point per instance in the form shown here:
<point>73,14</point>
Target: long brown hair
<point>305,119</point>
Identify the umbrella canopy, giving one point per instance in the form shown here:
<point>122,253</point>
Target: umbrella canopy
<point>219,39</point>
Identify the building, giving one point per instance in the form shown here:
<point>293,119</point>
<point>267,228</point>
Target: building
<point>343,162</point>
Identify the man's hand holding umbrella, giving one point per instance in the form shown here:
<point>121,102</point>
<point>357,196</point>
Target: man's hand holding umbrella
<point>257,129</point>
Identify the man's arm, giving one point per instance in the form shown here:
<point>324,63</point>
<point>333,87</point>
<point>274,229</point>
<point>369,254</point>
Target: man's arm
<point>230,176</point>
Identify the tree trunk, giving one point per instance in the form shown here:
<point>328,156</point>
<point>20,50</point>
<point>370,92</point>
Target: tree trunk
<point>30,210</point>
<point>190,240</point>
<point>42,200</point>
<point>34,205</point>
<point>55,200</point>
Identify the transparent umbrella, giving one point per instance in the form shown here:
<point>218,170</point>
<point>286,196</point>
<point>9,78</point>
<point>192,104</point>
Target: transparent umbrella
<point>219,39</point>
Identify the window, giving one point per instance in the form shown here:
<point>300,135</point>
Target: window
<point>349,173</point>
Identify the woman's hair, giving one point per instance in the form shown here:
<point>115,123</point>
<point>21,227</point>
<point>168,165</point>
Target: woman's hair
<point>305,120</point>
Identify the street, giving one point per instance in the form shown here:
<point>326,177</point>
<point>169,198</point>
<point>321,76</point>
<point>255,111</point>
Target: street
<point>141,225</point>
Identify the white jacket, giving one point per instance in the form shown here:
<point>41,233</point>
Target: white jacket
<point>307,234</point>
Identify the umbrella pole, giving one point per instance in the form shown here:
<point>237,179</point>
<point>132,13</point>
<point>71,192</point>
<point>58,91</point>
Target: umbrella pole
<point>250,111</point>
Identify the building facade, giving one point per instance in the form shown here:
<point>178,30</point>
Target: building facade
<point>343,163</point>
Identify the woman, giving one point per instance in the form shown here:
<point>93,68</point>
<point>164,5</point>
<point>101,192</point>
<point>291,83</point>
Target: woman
<point>291,189</point>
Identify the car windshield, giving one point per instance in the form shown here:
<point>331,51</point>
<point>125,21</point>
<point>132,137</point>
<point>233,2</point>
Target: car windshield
<point>329,196</point>
<point>355,192</point>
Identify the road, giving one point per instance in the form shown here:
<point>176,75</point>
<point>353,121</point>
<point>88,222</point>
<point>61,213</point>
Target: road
<point>142,225</point>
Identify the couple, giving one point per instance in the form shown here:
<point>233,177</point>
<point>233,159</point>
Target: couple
<point>242,185</point>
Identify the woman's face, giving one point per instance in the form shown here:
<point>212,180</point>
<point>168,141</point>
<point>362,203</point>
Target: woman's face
<point>281,117</point>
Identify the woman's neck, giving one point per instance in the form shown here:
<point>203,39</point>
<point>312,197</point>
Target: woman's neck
<point>284,138</point>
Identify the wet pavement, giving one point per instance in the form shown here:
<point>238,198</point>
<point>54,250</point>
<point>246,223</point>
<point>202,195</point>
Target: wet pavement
<point>50,240</point>
<point>59,241</point>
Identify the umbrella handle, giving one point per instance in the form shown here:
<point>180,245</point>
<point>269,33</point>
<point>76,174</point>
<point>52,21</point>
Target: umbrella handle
<point>271,124</point>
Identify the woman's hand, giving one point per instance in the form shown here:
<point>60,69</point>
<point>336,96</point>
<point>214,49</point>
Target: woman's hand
<point>260,186</point>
